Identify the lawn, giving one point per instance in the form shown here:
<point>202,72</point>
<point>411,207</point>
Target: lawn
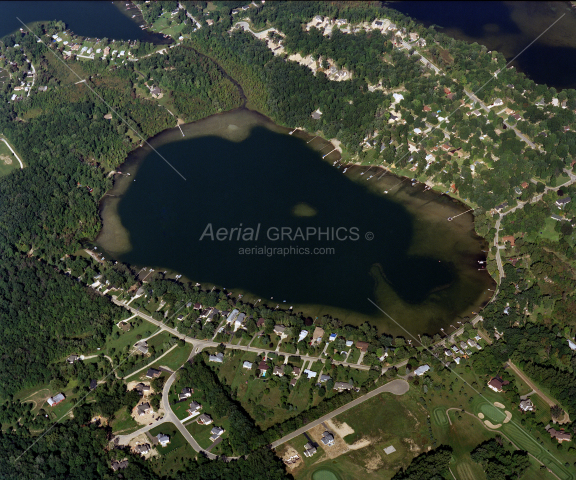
<point>176,438</point>
<point>129,338</point>
<point>201,433</point>
<point>123,422</point>
<point>176,358</point>
<point>8,162</point>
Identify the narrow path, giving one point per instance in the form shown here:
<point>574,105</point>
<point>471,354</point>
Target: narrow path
<point>396,387</point>
<point>151,363</point>
<point>13,152</point>
<point>540,393</point>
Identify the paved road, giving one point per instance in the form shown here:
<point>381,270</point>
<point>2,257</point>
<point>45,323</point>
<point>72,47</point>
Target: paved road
<point>209,343</point>
<point>535,388</point>
<point>396,387</point>
<point>145,367</point>
<point>520,135</point>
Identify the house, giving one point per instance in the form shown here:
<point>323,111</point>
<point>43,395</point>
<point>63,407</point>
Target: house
<point>421,370</point>
<point>362,346</point>
<point>303,335</point>
<point>332,337</point>
<point>414,36</point>
<point>153,373</point>
<point>343,386</point>
<point>239,321</point>
<point>293,382</point>
<point>324,378</point>
<point>142,347</point>
<point>124,326</point>
<point>317,335</point>
<point>218,358</point>
<point>163,440</point>
<point>498,102</point>
<point>571,344</point>
<point>472,343</point>
<point>260,322</point>
<point>427,108</point>
<point>508,238</point>
<point>457,360</point>
<point>263,366</point>
<point>518,190</point>
<point>558,218</point>
<point>118,465</point>
<point>327,439</point>
<point>309,450</point>
<point>42,89</point>
<point>205,419</point>
<point>501,206</point>
<point>142,388</point>
<point>186,393</point>
<point>56,399</point>
<point>446,90</point>
<point>497,383</point>
<point>143,408</point>
<point>155,91</point>
<point>194,408</point>
<point>279,329</point>
<point>447,352</point>
<point>93,384</point>
<point>216,432</point>
<point>72,358</point>
<point>559,435</point>
<point>278,371</point>
<point>296,370</point>
<point>247,365</point>
<point>316,114</point>
<point>310,373</point>
<point>142,449</point>
<point>232,317</point>
<point>349,343</point>
<point>526,405</point>
<point>561,202</point>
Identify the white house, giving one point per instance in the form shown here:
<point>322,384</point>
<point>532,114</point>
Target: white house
<point>421,370</point>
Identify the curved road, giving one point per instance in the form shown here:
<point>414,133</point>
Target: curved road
<point>396,387</point>
<point>13,152</point>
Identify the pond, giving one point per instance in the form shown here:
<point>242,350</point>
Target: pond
<point>260,213</point>
<point>94,19</point>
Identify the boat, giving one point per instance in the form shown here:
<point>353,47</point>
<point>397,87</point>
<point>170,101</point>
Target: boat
<point>345,170</point>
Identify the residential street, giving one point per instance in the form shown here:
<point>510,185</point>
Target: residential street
<point>396,387</point>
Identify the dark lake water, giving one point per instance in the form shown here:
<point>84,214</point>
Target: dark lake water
<point>87,18</point>
<point>274,181</point>
<point>509,27</point>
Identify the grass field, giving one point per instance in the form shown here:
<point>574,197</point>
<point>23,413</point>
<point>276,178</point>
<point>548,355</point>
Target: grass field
<point>129,338</point>
<point>201,433</point>
<point>123,422</point>
<point>174,360</point>
<point>8,162</point>
<point>176,438</point>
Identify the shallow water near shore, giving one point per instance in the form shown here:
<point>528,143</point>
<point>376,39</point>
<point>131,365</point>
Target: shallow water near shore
<point>244,172</point>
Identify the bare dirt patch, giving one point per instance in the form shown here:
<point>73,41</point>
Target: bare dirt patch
<point>373,463</point>
<point>131,385</point>
<point>6,159</point>
<point>341,429</point>
<point>340,446</point>
<point>147,418</point>
<point>139,440</point>
<point>291,458</point>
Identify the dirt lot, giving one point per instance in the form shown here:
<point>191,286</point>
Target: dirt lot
<point>143,439</point>
<point>131,385</point>
<point>147,418</point>
<point>339,447</point>
<point>289,458</point>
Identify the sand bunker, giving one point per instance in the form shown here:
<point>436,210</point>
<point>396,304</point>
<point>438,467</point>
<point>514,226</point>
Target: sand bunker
<point>480,415</point>
<point>508,416</point>
<point>499,405</point>
<point>489,424</point>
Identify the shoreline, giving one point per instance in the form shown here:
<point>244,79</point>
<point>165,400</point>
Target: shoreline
<point>413,199</point>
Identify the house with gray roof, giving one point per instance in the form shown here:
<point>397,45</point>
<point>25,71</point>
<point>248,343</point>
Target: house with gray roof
<point>218,358</point>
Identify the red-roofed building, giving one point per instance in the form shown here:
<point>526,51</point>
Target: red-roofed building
<point>446,90</point>
<point>362,346</point>
<point>508,238</point>
<point>524,184</point>
<point>496,384</point>
<point>427,108</point>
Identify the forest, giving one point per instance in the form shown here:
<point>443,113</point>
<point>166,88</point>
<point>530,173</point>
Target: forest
<point>46,316</point>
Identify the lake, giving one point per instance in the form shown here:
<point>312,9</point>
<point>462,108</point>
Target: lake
<point>89,19</point>
<point>509,27</point>
<point>243,172</point>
